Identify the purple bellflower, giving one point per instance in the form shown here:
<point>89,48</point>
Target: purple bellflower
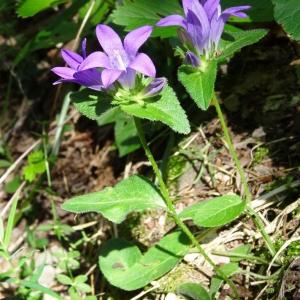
<point>120,61</point>
<point>202,26</point>
<point>90,78</point>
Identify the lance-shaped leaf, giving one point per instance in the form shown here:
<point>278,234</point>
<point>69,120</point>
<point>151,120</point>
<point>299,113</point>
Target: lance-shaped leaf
<point>199,84</point>
<point>215,212</point>
<point>234,41</point>
<point>287,13</point>
<point>125,267</point>
<point>92,104</point>
<point>164,108</point>
<point>133,194</point>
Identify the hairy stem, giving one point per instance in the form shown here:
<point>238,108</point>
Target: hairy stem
<point>169,203</point>
<point>248,196</point>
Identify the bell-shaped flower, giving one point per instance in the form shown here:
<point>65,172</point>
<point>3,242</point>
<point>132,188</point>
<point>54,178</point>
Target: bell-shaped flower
<point>90,78</point>
<point>202,25</point>
<point>120,61</point>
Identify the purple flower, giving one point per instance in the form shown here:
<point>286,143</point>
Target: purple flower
<point>155,87</point>
<point>202,26</point>
<point>120,61</point>
<point>90,78</point>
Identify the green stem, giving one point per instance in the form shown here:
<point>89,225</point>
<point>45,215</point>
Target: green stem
<point>248,196</point>
<point>171,208</point>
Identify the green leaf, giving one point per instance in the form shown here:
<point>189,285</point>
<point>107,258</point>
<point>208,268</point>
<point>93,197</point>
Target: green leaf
<point>4,164</point>
<point>110,116</point>
<point>29,8</point>
<point>37,287</point>
<point>193,291</point>
<point>36,165</point>
<point>287,13</point>
<point>199,84</point>
<point>260,11</point>
<point>64,279</point>
<point>125,267</point>
<point>126,136</point>
<point>83,287</point>
<point>92,104</point>
<point>215,212</point>
<point>216,282</point>
<point>164,108</point>
<point>133,14</point>
<point>235,41</point>
<point>81,278</point>
<point>133,194</point>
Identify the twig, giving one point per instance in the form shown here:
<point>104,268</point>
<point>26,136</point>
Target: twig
<point>154,287</point>
<point>16,194</point>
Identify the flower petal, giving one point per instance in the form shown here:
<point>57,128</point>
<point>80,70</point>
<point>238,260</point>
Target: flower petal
<point>64,72</point>
<point>196,31</point>
<point>110,76</point>
<point>192,59</point>
<point>236,11</point>
<point>108,39</point>
<point>143,64</point>
<point>127,78</point>
<point>90,78</point>
<point>155,87</point>
<point>195,9</point>
<point>83,48</point>
<point>71,58</point>
<point>173,20</point>
<point>211,6</point>
<point>135,39</point>
<point>96,59</point>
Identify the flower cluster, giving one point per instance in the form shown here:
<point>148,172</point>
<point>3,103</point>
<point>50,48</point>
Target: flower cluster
<point>202,26</point>
<point>119,63</point>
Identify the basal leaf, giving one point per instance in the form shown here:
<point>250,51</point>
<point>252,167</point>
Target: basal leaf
<point>132,14</point>
<point>235,41</point>
<point>199,84</point>
<point>215,212</point>
<point>125,267</point>
<point>287,13</point>
<point>92,104</point>
<point>135,193</point>
<point>29,8</point>
<point>193,291</point>
<point>164,108</point>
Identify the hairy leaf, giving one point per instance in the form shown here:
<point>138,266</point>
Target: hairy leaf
<point>135,193</point>
<point>125,267</point>
<point>199,84</point>
<point>287,13</point>
<point>261,10</point>
<point>29,8</point>
<point>235,41</point>
<point>137,13</point>
<point>126,136</point>
<point>164,108</point>
<point>215,212</point>
<point>90,103</point>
